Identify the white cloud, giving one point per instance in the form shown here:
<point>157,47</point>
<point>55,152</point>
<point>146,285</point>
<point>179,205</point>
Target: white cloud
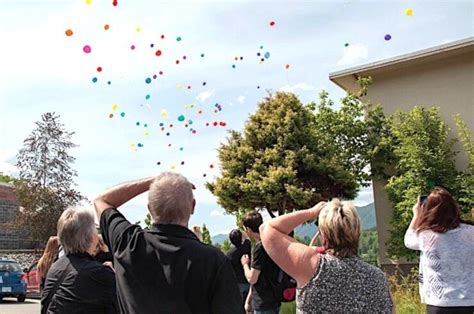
<point>354,53</point>
<point>241,99</point>
<point>203,96</point>
<point>7,163</point>
<point>299,86</point>
<point>217,213</point>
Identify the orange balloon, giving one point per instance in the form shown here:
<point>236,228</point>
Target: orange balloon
<point>69,32</point>
<point>106,26</point>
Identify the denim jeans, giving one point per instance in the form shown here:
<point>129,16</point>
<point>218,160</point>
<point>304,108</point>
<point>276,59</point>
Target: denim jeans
<point>272,311</point>
<point>244,291</point>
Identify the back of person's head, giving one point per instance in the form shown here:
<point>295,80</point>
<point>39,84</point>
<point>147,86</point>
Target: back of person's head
<point>170,199</point>
<point>235,237</point>
<point>50,254</point>
<point>252,220</point>
<point>76,231</point>
<point>439,213</point>
<point>339,225</point>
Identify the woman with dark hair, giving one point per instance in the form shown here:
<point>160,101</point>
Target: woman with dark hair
<point>234,255</point>
<point>447,253</point>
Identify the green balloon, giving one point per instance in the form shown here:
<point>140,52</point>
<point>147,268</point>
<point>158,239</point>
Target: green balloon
<point>181,118</point>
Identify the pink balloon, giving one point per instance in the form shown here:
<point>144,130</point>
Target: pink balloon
<point>87,49</point>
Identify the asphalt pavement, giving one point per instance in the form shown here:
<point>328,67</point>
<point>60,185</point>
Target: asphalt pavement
<point>12,306</point>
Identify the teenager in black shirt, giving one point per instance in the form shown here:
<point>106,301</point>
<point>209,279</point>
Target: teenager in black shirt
<point>262,273</point>
<point>165,269</point>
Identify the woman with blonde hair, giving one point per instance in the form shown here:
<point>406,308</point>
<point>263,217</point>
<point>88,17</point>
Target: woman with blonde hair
<point>336,281</point>
<point>50,254</point>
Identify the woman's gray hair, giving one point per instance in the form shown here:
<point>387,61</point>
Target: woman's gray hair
<point>76,230</point>
<point>170,199</point>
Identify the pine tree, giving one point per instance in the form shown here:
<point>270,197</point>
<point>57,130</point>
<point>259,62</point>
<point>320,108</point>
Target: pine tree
<point>45,184</point>
<point>206,236</point>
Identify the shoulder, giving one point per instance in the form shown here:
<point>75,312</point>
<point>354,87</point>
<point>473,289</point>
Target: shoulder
<point>99,273</point>
<point>372,271</point>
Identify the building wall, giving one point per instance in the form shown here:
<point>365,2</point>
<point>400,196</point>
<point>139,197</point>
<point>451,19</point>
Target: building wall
<point>448,84</point>
<point>10,238</point>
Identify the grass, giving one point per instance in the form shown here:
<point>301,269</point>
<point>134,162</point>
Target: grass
<point>404,291</point>
<point>288,308</point>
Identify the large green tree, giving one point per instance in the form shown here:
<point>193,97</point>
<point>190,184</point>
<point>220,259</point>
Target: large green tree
<point>45,186</point>
<point>290,156</point>
<point>420,156</point>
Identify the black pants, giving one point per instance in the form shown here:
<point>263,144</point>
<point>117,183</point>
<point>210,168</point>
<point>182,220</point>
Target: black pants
<point>449,310</point>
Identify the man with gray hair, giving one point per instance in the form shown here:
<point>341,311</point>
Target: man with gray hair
<point>165,269</point>
<point>76,283</point>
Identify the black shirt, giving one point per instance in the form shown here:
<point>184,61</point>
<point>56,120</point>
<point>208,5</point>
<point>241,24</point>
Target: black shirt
<point>234,255</point>
<point>88,288</point>
<point>103,257</point>
<point>263,294</point>
<point>168,270</point>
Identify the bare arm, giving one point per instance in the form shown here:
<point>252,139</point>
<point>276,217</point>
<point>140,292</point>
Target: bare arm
<point>251,274</point>
<point>296,259</point>
<point>248,301</point>
<point>411,237</point>
<point>120,194</point>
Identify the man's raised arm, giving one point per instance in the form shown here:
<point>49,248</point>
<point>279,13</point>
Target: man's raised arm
<point>120,194</point>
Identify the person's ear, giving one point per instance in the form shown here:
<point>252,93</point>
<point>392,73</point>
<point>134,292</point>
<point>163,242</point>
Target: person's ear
<point>194,206</point>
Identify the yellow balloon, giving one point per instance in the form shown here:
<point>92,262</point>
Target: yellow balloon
<point>409,12</point>
<point>138,29</point>
<point>88,2</point>
<point>164,113</point>
<point>114,107</point>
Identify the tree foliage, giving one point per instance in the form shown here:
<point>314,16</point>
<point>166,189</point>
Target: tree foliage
<point>206,236</point>
<point>45,184</point>
<point>420,156</point>
<point>5,178</point>
<point>226,246</point>
<point>290,156</point>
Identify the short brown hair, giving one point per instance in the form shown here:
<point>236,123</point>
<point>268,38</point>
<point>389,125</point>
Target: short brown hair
<point>439,213</point>
<point>252,220</point>
<point>339,224</point>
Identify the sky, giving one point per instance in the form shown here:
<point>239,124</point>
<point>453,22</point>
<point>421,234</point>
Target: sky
<point>42,70</point>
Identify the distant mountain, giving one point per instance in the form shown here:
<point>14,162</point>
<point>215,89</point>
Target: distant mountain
<point>367,217</point>
<point>366,213</point>
<point>219,238</point>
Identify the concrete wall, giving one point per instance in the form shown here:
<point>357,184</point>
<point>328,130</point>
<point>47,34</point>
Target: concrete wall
<point>446,83</point>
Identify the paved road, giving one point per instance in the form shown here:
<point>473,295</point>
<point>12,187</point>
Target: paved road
<point>11,306</point>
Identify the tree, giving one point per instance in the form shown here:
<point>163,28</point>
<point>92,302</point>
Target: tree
<point>206,236</point>
<point>45,184</point>
<point>422,156</point>
<point>5,178</point>
<point>147,220</point>
<point>225,246</point>
<point>290,156</point>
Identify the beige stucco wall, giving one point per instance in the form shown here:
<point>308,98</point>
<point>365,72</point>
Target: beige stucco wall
<point>448,84</point>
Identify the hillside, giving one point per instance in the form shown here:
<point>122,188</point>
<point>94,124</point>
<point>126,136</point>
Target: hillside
<point>366,213</point>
